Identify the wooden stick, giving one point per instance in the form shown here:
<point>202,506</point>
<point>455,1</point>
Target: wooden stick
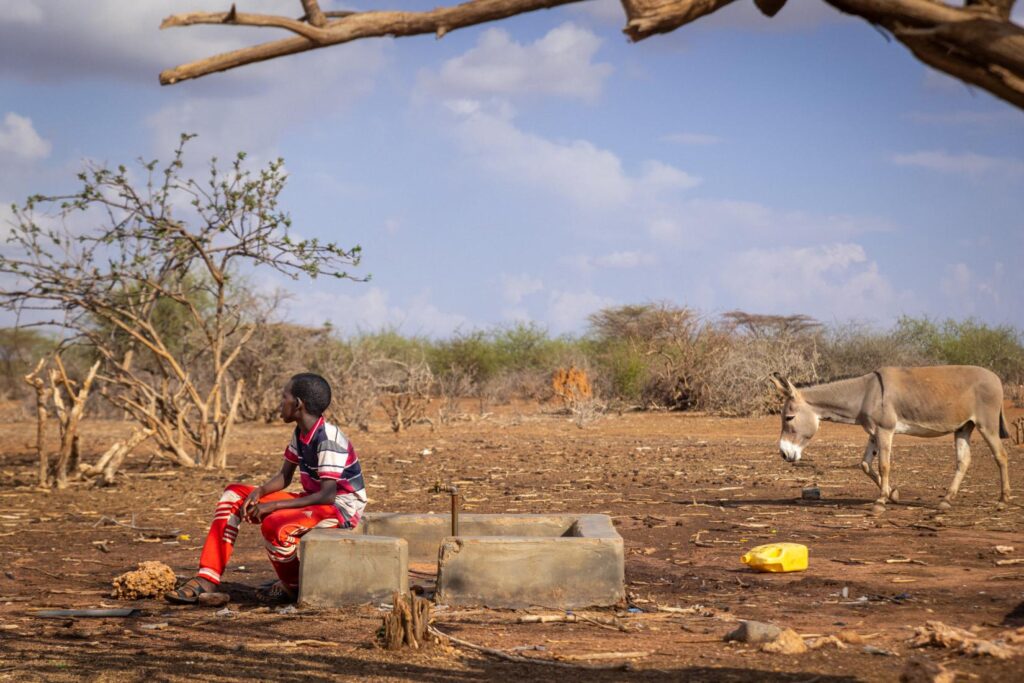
<point>501,654</point>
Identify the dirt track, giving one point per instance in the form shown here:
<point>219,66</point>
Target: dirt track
<point>687,493</point>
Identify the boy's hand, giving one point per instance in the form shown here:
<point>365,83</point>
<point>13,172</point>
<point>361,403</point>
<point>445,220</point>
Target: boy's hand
<point>250,504</point>
<point>261,510</point>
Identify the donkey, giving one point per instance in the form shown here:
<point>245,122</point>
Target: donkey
<point>923,401</point>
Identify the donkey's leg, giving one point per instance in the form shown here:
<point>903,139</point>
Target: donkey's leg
<point>995,444</point>
<point>870,451</point>
<point>884,440</point>
<point>963,461</point>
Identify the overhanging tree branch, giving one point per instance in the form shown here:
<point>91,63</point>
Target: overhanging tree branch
<point>976,43</point>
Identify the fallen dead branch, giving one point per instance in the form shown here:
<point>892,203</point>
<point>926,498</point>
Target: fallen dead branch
<point>938,634</point>
<point>604,655</point>
<point>603,622</point>
<point>306,642</point>
<point>159,533</point>
<point>501,654</point>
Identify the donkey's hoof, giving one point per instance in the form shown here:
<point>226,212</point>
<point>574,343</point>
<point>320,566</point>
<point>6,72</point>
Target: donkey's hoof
<point>877,509</point>
<point>944,505</point>
<point>1001,505</point>
<point>894,495</point>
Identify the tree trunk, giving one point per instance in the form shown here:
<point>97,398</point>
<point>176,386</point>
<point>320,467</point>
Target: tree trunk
<point>42,398</point>
<point>70,417</point>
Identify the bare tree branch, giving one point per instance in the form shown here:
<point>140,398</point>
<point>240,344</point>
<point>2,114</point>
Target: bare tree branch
<point>343,30</point>
<point>976,43</point>
<point>314,15</point>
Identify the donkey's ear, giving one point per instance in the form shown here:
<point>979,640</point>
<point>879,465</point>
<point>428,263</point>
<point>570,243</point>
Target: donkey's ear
<point>784,386</point>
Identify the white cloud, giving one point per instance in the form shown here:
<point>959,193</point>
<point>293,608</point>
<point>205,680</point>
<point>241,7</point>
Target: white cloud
<point>968,164</point>
<point>23,12</point>
<point>568,311</point>
<point>692,139</point>
<point>253,120</point>
<point>19,139</point>
<point>827,281</point>
<point>617,260</point>
<point>560,63</point>
<point>698,222</point>
<point>968,292</point>
<point>515,288</point>
<point>659,176</point>
<point>361,308</point>
<point>624,260</point>
<point>577,170</point>
<point>110,38</point>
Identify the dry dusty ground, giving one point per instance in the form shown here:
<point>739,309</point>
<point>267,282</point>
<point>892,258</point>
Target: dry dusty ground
<point>688,494</point>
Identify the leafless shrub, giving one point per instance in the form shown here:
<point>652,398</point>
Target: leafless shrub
<point>1017,395</point>
<point>351,370</point>
<point>404,390</point>
<point>855,349</point>
<point>758,346</point>
<point>586,410</point>
<point>659,354</point>
<point>454,384</point>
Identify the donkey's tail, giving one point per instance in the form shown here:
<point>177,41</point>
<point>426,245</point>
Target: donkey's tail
<point>1004,433</point>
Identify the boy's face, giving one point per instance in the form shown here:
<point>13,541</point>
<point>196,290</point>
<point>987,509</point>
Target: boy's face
<point>291,408</point>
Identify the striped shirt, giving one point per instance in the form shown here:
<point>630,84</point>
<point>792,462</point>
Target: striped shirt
<point>325,453</point>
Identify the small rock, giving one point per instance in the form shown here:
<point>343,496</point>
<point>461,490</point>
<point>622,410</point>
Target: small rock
<point>872,650</point>
<point>1004,549</point>
<point>919,670</point>
<point>214,599</point>
<point>789,642</point>
<point>754,632</point>
<point>811,493</point>
<point>288,609</point>
<point>226,612</point>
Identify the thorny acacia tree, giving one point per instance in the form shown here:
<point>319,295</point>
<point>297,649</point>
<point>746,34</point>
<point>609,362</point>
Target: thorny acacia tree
<point>975,43</point>
<point>113,263</point>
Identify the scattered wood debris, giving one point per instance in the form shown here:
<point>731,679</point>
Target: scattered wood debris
<point>938,634</point>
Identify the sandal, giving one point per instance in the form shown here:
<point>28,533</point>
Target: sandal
<point>187,593</point>
<point>275,593</point>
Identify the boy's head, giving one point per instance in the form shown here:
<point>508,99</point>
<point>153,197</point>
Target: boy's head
<point>312,390</point>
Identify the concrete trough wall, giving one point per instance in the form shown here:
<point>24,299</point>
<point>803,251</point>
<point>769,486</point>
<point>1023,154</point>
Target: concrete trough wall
<point>342,567</point>
<point>581,568</point>
<point>424,533</point>
<point>514,561</point>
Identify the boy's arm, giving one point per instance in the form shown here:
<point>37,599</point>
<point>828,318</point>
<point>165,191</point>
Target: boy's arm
<point>279,481</point>
<point>325,496</point>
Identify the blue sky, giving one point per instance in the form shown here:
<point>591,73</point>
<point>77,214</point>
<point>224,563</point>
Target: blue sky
<point>544,167</point>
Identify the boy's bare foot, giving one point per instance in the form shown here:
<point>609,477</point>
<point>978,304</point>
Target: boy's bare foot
<point>188,593</point>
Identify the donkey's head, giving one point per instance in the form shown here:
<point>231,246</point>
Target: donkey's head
<point>799,421</point>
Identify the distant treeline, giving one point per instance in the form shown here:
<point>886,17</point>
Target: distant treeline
<point>646,356</point>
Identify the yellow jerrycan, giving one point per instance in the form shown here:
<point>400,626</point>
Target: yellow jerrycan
<point>777,557</point>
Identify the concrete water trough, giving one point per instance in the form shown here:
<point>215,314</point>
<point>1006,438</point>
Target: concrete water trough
<point>560,561</point>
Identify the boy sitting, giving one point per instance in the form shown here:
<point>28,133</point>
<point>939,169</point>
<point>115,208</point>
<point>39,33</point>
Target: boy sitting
<point>333,496</point>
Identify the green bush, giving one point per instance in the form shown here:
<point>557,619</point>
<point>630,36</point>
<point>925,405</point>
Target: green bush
<point>968,342</point>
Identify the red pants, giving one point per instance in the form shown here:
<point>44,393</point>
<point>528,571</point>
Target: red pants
<point>281,532</point>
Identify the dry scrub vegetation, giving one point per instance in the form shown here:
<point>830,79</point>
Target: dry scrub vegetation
<point>146,275</point>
